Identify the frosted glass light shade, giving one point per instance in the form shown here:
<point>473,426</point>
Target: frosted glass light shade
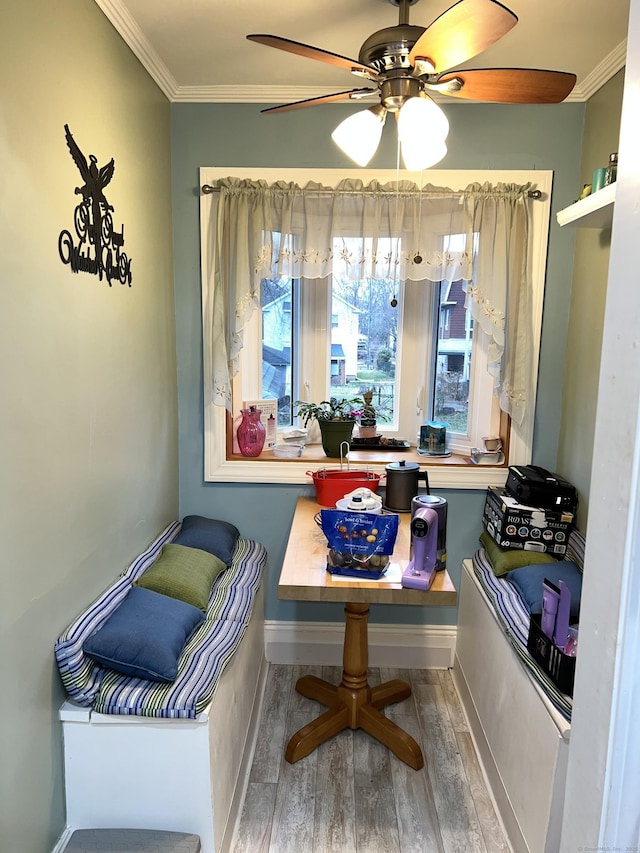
<point>359,134</point>
<point>421,153</point>
<point>422,130</point>
<point>420,116</point>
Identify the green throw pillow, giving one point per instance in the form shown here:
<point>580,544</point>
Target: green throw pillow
<point>503,560</point>
<point>184,573</point>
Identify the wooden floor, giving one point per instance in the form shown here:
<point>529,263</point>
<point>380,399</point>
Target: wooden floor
<point>352,795</point>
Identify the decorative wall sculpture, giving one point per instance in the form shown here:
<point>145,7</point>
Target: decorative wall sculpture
<point>99,249</point>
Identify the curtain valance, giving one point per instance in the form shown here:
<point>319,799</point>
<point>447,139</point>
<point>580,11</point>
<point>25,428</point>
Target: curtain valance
<point>353,230</point>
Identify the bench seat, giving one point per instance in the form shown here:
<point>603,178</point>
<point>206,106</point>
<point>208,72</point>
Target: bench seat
<point>175,756</point>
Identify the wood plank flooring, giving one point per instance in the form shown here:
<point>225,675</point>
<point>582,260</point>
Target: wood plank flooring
<point>352,795</point>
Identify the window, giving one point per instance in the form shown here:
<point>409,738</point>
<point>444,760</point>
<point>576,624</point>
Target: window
<point>371,317</point>
<point>335,337</point>
<point>452,372</point>
<point>278,351</point>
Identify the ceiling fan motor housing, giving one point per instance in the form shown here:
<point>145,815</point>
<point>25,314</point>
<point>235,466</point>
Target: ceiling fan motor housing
<point>390,48</point>
<point>388,52</point>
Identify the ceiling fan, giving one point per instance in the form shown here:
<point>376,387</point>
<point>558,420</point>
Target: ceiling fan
<point>407,62</point>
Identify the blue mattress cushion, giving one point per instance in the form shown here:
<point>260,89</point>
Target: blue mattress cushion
<point>145,635</point>
<point>209,534</point>
<point>528,581</point>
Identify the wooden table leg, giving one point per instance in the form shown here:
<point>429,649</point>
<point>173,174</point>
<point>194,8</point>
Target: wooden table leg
<point>316,732</point>
<point>353,703</point>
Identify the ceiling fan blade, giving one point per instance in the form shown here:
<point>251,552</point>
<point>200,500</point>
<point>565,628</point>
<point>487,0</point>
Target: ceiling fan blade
<point>463,31</point>
<point>323,99</point>
<point>510,85</point>
<point>309,52</point>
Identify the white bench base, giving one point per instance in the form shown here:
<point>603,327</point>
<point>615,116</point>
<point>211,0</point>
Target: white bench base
<point>521,739</point>
<point>180,775</point>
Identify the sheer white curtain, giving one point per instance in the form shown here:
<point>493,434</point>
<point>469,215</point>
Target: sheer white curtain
<point>401,234</point>
<point>500,294</point>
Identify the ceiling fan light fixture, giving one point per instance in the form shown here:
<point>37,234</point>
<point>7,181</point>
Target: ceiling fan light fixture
<point>422,153</point>
<point>421,118</point>
<point>358,136</point>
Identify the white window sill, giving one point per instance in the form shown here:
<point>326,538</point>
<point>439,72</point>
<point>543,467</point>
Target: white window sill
<point>452,472</point>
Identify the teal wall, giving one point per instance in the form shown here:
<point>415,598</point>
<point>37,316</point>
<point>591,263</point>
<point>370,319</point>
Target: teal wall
<point>483,137</point>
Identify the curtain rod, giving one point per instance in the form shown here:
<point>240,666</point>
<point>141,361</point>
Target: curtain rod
<point>207,189</point>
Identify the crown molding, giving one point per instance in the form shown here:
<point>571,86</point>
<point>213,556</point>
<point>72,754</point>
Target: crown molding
<point>601,74</point>
<point>129,30</point>
<point>251,94</point>
<point>133,36</point>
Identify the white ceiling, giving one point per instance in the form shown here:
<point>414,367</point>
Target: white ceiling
<point>196,50</point>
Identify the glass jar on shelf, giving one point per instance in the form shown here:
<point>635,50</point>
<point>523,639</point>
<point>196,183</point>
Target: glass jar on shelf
<point>612,169</point>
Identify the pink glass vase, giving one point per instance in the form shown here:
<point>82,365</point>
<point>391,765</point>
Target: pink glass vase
<point>251,432</point>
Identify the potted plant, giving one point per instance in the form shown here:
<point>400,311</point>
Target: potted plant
<point>336,419</point>
<point>367,418</point>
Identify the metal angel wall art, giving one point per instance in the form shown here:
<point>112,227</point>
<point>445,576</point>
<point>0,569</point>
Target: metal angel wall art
<point>99,249</point>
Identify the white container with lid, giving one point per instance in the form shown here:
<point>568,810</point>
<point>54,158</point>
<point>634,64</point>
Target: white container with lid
<point>361,500</point>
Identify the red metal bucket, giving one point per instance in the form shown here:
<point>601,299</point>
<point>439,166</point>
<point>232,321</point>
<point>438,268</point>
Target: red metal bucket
<point>331,486</point>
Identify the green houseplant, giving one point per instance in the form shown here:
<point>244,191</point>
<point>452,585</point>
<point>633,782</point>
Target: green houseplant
<point>335,418</point>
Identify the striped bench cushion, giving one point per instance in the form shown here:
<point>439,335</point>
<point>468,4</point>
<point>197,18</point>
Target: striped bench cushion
<point>202,661</point>
<point>513,615</point>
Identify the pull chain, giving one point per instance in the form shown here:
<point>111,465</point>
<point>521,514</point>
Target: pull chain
<point>418,257</point>
<point>394,301</point>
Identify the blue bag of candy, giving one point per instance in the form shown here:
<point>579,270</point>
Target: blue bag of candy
<point>360,543</point>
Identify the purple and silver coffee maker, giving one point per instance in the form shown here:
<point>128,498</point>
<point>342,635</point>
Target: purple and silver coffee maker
<point>438,504</point>
<point>421,569</point>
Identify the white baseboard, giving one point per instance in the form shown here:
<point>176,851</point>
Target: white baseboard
<point>320,643</point>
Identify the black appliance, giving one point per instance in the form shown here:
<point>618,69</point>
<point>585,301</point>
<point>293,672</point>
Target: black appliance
<point>532,485</point>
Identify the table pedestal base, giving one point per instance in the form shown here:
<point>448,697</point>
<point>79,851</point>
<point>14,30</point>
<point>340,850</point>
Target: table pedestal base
<point>353,703</point>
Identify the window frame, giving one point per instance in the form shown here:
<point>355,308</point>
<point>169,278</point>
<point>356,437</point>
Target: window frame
<point>219,468</point>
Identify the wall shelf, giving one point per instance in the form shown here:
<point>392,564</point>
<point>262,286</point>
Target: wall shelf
<point>594,211</point>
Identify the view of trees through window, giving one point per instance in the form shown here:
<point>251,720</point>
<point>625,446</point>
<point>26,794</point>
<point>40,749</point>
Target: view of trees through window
<point>364,345</point>
<point>364,342</point>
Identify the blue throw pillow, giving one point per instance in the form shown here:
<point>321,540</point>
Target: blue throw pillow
<point>528,581</point>
<point>145,635</point>
<point>209,534</point>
